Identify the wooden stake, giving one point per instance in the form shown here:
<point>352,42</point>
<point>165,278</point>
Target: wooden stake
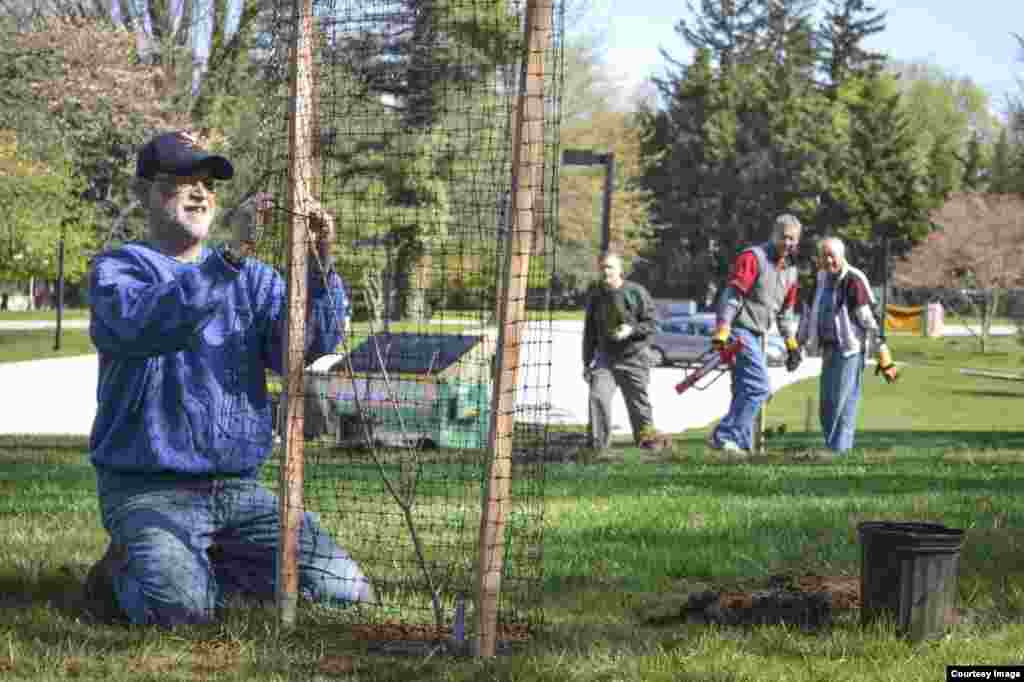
<point>300,177</point>
<point>527,177</point>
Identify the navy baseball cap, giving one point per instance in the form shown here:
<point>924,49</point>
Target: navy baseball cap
<point>178,153</point>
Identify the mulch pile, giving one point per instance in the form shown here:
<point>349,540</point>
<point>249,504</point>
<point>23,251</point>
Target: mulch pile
<point>806,601</point>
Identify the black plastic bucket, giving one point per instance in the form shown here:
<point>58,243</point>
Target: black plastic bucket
<point>909,573</point>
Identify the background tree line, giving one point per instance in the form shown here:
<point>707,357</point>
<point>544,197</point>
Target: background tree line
<point>773,111</point>
<point>777,111</point>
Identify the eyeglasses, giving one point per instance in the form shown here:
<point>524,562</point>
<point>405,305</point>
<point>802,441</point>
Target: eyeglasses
<point>183,184</point>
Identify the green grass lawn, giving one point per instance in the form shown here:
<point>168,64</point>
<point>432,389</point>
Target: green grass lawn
<point>38,344</point>
<point>32,315</point>
<point>625,541</point>
<point>931,396</point>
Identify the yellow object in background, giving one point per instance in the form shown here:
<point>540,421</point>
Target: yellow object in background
<point>904,318</point>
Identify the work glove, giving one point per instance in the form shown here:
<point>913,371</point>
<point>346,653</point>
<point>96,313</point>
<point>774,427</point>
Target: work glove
<point>623,332</point>
<point>886,367</point>
<point>794,355</point>
<point>720,337</point>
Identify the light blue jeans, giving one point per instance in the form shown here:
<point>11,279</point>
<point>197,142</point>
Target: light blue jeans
<point>839,397</point>
<point>192,543</point>
<point>750,388</point>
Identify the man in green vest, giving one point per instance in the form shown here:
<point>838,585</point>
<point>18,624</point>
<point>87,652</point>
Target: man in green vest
<point>620,320</point>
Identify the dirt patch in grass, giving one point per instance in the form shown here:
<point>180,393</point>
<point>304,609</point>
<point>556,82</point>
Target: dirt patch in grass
<point>807,601</point>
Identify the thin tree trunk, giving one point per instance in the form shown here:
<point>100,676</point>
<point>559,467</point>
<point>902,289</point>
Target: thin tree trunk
<point>988,308</point>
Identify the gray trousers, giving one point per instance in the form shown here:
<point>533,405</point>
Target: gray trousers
<point>632,376</point>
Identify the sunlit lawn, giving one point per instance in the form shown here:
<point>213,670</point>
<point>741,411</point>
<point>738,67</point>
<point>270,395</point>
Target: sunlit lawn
<point>626,540</point>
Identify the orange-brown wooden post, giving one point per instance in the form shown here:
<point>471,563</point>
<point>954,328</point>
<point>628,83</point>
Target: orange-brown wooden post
<point>300,177</point>
<point>527,176</point>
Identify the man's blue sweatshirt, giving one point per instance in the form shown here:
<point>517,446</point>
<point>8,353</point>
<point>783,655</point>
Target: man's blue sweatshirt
<point>183,350</point>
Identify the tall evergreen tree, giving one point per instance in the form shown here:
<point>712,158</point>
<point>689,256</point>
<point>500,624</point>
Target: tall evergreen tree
<point>883,193</point>
<point>420,82</point>
<point>846,25</point>
<point>1007,174</point>
<point>974,165</point>
<point>742,133</point>
<point>680,178</point>
<point>727,29</point>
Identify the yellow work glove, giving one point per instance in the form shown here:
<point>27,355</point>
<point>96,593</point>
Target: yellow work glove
<point>720,337</point>
<point>886,367</point>
<point>793,354</point>
<point>623,332</point>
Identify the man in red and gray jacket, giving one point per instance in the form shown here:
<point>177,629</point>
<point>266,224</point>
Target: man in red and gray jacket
<point>762,288</point>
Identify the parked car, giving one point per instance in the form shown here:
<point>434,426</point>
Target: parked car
<point>685,340</point>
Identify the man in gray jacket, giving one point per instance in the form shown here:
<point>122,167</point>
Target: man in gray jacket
<point>620,320</point>
<point>762,289</point>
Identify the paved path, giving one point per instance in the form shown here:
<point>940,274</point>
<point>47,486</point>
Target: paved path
<point>25,325</point>
<point>48,396</point>
<point>673,413</point>
<point>59,396</point>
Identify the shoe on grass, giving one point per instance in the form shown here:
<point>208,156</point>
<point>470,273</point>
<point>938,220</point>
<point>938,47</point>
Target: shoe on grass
<point>652,440</point>
<point>732,451</point>
<point>98,596</point>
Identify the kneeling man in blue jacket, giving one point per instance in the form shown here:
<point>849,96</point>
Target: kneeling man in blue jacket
<point>185,335</point>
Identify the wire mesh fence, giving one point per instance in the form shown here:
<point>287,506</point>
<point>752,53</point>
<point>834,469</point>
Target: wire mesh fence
<point>414,134</point>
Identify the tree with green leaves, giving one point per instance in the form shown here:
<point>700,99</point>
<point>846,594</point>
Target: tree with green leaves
<point>592,122</point>
<point>40,204</point>
<point>738,142</point>
<point>727,29</point>
<point>416,86</point>
<point>878,192</point>
<point>1001,179</point>
<point>975,165</point>
<point>90,80</point>
<point>74,93</point>
<point>677,172</point>
<point>944,111</point>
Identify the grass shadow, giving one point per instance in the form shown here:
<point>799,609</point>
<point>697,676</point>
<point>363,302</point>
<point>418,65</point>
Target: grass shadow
<point>11,444</point>
<point>867,440</point>
<point>988,393</point>
<point>57,588</point>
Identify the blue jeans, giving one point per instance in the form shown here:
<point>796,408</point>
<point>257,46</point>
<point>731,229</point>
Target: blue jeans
<point>191,544</point>
<point>750,388</point>
<point>839,397</point>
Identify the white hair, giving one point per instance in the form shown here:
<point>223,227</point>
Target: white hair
<point>837,247</point>
<point>783,221</point>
